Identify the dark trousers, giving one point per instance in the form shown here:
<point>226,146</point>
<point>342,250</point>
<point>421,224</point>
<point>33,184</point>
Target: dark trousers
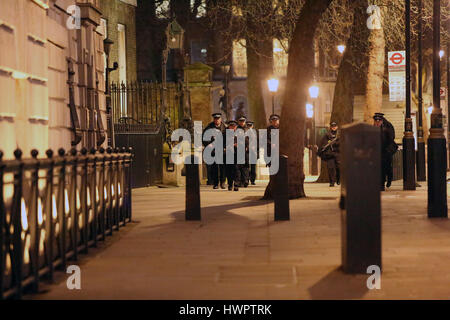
<point>387,170</point>
<point>252,173</point>
<point>218,174</point>
<point>208,174</point>
<point>334,173</point>
<point>231,174</point>
<point>241,178</point>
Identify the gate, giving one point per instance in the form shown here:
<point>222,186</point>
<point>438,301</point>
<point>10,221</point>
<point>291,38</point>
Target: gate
<point>141,122</point>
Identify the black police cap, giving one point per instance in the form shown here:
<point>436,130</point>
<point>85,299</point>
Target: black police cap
<point>333,124</point>
<point>217,115</point>
<point>274,117</point>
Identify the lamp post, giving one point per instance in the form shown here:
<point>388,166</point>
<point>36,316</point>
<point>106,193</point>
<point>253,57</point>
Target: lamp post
<point>174,40</point>
<point>314,94</point>
<point>273,88</point>
<point>409,156</point>
<point>437,153</point>
<point>421,170</point>
<point>225,71</point>
<point>107,43</point>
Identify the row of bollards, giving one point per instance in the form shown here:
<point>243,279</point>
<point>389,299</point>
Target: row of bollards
<point>360,197</point>
<point>280,191</point>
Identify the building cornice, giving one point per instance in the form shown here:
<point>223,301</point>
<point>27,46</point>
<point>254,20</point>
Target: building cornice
<point>130,2</point>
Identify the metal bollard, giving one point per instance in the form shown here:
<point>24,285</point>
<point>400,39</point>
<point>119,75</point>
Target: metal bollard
<point>281,191</point>
<point>360,197</point>
<point>193,209</point>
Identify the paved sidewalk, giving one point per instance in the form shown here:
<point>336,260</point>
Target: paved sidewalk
<point>238,252</point>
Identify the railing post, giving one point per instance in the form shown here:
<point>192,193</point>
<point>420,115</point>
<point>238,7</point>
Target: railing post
<point>74,195</point>
<point>84,196</point>
<point>2,227</point>
<point>193,206</point>
<point>50,227</point>
<point>102,193</point>
<point>16,213</point>
<point>33,221</point>
<point>63,207</point>
<point>281,191</point>
<point>360,199</point>
<point>116,198</point>
<point>108,188</point>
<point>93,196</point>
<point>129,185</point>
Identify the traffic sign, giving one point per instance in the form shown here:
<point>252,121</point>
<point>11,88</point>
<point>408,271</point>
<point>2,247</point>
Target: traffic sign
<point>397,60</point>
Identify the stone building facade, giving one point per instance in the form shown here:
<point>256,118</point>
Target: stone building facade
<point>119,17</point>
<point>52,74</point>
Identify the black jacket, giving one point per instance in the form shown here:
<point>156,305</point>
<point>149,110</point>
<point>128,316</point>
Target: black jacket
<point>329,146</point>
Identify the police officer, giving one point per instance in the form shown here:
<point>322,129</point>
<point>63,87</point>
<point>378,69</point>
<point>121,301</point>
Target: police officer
<point>253,148</point>
<point>231,168</point>
<point>242,175</point>
<point>274,124</point>
<point>391,148</point>
<point>329,152</point>
<point>388,148</point>
<point>217,171</point>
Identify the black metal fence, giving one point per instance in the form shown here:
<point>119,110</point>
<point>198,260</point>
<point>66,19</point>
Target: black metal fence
<point>141,102</point>
<point>54,208</point>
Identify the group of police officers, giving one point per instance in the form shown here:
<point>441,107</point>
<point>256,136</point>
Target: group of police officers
<point>328,151</point>
<point>241,175</point>
<point>236,175</point>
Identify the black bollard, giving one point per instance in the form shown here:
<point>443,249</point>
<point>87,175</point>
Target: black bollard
<point>281,191</point>
<point>360,197</point>
<point>193,209</point>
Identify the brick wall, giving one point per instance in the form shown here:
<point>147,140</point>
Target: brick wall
<point>121,12</point>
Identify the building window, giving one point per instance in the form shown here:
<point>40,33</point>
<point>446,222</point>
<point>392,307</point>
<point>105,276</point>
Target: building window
<point>162,8</point>
<point>239,59</point>
<point>280,57</point>
<point>201,9</point>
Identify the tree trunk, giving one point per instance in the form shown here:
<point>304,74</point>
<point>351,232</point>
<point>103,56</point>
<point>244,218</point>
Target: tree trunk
<point>256,107</point>
<point>375,74</point>
<point>342,111</point>
<point>299,78</point>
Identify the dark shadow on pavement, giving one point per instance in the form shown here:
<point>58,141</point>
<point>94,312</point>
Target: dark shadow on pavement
<point>339,285</point>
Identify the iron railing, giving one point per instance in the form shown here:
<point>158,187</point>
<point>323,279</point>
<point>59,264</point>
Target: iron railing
<point>55,208</point>
<point>140,103</point>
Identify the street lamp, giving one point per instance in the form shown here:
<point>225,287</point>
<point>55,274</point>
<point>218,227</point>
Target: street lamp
<point>226,67</point>
<point>341,48</point>
<point>437,153</point>
<point>421,171</point>
<point>174,40</point>
<point>314,94</point>
<point>273,88</point>
<point>409,152</point>
<point>107,44</point>
<point>441,54</point>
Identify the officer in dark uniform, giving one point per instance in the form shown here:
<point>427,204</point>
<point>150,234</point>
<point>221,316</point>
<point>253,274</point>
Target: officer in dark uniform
<point>274,124</point>
<point>253,148</point>
<point>388,149</point>
<point>231,168</point>
<point>242,175</point>
<point>217,170</point>
<point>329,152</point>
<point>391,148</point>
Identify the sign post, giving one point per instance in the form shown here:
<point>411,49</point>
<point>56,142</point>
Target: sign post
<point>397,79</point>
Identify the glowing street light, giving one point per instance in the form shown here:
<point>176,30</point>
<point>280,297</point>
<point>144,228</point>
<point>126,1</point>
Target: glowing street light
<point>309,110</point>
<point>273,88</point>
<point>441,54</point>
<point>341,48</point>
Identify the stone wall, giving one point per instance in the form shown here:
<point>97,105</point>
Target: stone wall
<point>37,47</point>
<point>121,12</point>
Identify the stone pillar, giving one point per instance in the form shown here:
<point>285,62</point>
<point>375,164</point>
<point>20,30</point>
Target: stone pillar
<point>198,78</point>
